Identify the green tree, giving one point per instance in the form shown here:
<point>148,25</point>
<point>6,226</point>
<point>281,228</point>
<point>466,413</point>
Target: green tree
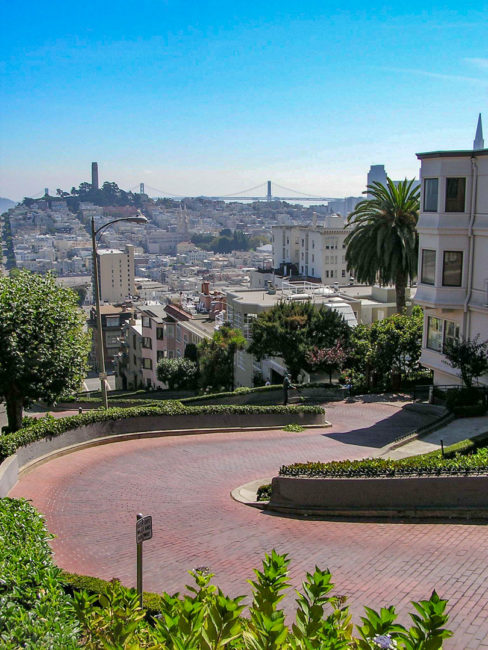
<point>178,373</point>
<point>468,356</point>
<point>291,329</point>
<point>43,343</point>
<point>217,358</point>
<point>383,243</point>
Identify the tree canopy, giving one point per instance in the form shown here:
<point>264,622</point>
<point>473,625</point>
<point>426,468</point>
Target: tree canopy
<point>216,358</point>
<point>291,329</point>
<point>43,343</point>
<point>468,356</point>
<point>178,373</point>
<point>383,243</point>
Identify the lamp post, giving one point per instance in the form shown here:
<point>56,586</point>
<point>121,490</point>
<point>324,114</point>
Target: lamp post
<point>140,218</point>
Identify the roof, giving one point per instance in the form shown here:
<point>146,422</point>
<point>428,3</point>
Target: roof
<point>461,153</point>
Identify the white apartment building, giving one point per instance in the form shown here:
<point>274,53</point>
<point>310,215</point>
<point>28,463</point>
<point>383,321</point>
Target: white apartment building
<point>116,274</point>
<point>313,251</point>
<point>453,254</point>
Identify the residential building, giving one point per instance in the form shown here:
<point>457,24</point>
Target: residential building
<point>116,274</point>
<point>244,305</point>
<point>128,369</point>
<point>312,251</point>
<point>113,319</point>
<point>453,253</point>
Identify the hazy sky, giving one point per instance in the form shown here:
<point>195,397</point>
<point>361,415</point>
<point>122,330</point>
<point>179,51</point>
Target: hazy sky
<point>208,97</point>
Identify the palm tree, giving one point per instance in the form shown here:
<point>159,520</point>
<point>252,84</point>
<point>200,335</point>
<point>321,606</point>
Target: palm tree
<point>383,244</point>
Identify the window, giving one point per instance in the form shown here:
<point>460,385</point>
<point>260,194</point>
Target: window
<point>455,192</point>
<point>343,273</point>
<point>452,269</point>
<point>160,355</point>
<point>159,333</point>
<point>146,321</point>
<point>146,342</point>
<point>451,333</point>
<point>428,267</point>
<point>112,321</point>
<point>431,191</point>
<point>313,258</point>
<point>147,363</point>
<point>434,333</point>
<point>134,340</point>
<point>313,244</point>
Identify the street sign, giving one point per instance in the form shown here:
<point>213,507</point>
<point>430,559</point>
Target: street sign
<point>143,529</point>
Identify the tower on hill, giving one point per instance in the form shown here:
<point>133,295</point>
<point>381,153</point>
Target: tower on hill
<point>94,182</point>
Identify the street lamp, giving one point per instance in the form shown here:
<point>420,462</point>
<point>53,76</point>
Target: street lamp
<point>140,218</point>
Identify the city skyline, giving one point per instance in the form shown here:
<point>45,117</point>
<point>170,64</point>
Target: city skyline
<point>210,99</point>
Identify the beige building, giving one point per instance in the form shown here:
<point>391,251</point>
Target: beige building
<point>116,274</point>
<point>453,254</point>
<point>312,251</point>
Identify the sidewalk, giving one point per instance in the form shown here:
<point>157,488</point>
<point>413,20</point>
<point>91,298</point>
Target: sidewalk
<point>455,431</point>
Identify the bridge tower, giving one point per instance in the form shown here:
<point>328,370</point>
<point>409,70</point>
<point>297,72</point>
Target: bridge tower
<point>141,188</point>
<point>269,196</point>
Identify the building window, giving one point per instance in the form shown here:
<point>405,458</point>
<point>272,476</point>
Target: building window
<point>431,192</point>
<point>160,355</point>
<point>146,321</point>
<point>112,321</point>
<point>455,193</point>
<point>343,273</point>
<point>452,269</point>
<point>313,244</point>
<point>147,363</point>
<point>451,333</point>
<point>160,333</point>
<point>134,341</point>
<point>428,267</point>
<point>146,342</point>
<point>434,333</point>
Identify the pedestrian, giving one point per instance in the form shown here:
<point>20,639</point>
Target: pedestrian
<point>286,386</point>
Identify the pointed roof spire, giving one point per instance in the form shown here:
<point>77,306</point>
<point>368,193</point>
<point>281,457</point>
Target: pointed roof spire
<point>479,143</point>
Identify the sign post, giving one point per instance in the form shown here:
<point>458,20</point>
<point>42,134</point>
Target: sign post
<point>143,532</point>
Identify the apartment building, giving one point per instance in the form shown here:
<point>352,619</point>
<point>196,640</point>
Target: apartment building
<point>116,274</point>
<point>453,253</point>
<point>312,251</point>
<point>113,319</point>
<point>128,374</point>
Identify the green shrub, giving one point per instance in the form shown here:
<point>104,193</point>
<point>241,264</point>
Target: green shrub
<point>35,612</point>
<point>428,465</point>
<point>461,397</point>
<point>207,619</point>
<point>264,492</point>
<point>46,427</point>
<point>294,428</point>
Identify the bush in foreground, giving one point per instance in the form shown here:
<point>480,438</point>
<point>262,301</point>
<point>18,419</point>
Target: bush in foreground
<point>208,619</point>
<point>35,612</point>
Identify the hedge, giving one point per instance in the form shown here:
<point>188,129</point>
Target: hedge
<point>428,465</point>
<point>35,612</point>
<point>50,426</point>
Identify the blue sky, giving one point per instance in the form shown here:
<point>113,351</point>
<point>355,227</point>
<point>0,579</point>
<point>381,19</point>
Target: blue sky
<point>213,97</point>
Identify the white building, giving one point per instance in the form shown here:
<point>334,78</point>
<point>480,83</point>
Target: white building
<point>453,253</point>
<point>116,270</point>
<point>312,251</point>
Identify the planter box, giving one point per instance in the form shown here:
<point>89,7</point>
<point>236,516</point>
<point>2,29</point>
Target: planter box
<point>419,497</point>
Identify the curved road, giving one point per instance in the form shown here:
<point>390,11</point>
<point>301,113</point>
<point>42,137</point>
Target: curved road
<point>90,499</point>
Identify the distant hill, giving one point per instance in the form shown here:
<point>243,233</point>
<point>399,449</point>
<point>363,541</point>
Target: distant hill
<point>5,204</point>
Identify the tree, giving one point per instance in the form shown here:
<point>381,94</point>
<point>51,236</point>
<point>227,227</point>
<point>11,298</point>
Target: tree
<point>290,329</point>
<point>178,373</point>
<point>43,345</point>
<point>469,357</point>
<point>383,244</point>
<point>217,357</point>
<point>328,359</point>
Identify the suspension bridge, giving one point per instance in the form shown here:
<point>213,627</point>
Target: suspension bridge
<point>266,193</point>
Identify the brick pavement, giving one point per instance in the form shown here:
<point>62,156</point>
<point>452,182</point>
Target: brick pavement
<point>90,499</point>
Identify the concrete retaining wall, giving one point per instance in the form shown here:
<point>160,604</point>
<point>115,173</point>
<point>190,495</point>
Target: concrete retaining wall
<point>418,497</point>
<point>162,425</point>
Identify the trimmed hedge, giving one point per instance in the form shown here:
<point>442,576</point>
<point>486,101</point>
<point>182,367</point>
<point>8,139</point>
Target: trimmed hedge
<point>264,492</point>
<point>35,612</point>
<point>428,465</point>
<point>50,426</point>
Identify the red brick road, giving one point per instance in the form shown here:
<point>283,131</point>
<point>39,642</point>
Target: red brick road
<point>90,499</point>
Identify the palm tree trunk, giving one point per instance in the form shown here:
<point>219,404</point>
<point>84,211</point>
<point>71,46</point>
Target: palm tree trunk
<point>400,286</point>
